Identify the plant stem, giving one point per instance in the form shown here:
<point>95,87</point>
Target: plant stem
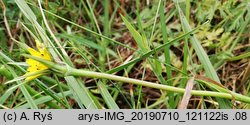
<point>69,71</point>
<point>79,72</point>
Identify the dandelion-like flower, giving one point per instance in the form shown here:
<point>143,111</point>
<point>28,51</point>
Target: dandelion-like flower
<point>34,65</point>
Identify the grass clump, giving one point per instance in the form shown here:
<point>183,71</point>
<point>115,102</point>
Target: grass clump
<point>125,54</point>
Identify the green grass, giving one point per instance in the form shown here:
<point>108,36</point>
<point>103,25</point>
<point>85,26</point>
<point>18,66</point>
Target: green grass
<point>126,54</point>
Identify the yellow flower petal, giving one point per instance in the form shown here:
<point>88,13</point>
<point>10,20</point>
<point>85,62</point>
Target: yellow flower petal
<point>34,52</point>
<point>45,55</point>
<point>40,46</point>
<point>32,77</point>
<point>35,65</point>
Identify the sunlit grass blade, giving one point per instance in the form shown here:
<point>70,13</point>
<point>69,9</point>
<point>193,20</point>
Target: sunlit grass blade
<point>24,91</point>
<point>42,100</point>
<point>165,39</point>
<point>141,42</point>
<point>106,95</point>
<point>203,57</point>
<point>37,95</point>
<point>149,53</point>
<point>172,104</point>
<point>242,56</point>
<point>82,41</point>
<point>6,95</point>
<point>81,95</point>
<point>26,9</point>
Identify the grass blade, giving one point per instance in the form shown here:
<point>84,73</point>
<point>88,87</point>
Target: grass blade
<point>203,57</point>
<point>106,95</point>
<point>81,93</point>
<point>24,91</point>
<point>42,100</point>
<point>142,43</point>
<point>149,53</point>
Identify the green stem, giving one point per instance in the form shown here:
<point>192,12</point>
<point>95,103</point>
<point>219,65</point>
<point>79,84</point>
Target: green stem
<point>67,70</point>
<point>92,74</point>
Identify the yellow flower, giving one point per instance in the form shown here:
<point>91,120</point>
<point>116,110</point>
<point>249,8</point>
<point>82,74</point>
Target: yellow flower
<point>34,65</point>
